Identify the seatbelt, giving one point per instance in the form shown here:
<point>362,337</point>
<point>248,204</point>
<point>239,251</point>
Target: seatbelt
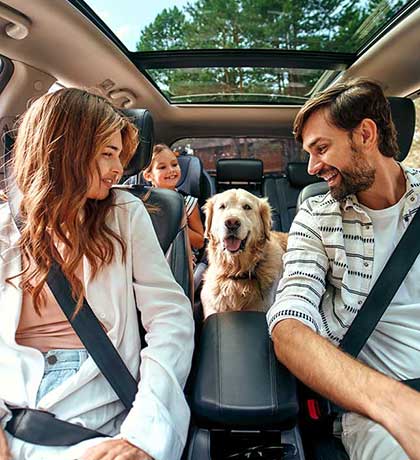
<point>383,291</point>
<point>285,219</point>
<point>378,300</point>
<point>97,343</point>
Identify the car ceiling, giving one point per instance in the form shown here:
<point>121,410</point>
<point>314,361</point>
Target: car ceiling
<point>63,45</point>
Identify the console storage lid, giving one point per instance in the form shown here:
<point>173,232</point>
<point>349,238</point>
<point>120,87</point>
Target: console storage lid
<point>239,384</point>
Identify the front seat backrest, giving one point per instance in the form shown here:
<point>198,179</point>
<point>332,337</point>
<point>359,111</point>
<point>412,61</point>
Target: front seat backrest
<point>168,216</point>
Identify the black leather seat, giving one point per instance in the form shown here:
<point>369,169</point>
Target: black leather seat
<point>143,120</point>
<point>169,218</point>
<point>404,116</point>
<point>194,179</point>
<point>246,173</point>
<point>282,193</point>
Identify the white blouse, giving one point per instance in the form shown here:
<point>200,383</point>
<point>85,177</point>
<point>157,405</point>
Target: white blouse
<point>158,421</point>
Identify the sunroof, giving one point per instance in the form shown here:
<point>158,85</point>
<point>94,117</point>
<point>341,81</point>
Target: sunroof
<point>334,25</point>
<point>244,51</point>
<point>236,84</point>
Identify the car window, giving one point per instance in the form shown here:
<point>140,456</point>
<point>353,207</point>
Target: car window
<point>413,157</point>
<point>275,152</point>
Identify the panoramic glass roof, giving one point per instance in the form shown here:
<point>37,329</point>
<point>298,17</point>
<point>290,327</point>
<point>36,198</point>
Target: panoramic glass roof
<point>240,84</point>
<point>283,26</point>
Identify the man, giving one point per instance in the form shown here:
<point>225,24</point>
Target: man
<point>338,245</point>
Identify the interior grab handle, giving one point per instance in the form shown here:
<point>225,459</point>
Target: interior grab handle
<point>128,97</point>
<point>18,25</point>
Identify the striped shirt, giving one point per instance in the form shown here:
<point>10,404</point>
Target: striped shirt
<point>190,203</point>
<point>328,265</point>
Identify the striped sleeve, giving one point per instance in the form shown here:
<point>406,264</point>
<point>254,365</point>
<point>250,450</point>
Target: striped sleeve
<point>302,286</point>
<point>190,204</point>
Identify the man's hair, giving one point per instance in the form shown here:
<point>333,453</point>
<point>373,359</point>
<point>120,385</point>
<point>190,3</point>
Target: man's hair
<point>347,104</point>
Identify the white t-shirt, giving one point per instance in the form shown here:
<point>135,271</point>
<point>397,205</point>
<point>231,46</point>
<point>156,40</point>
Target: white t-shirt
<point>394,346</point>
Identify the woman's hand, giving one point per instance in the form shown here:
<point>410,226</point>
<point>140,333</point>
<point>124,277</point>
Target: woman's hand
<point>4,448</point>
<point>109,450</point>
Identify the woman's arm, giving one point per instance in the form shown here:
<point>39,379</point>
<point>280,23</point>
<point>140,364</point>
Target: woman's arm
<point>158,421</point>
<point>4,448</point>
<point>195,229</point>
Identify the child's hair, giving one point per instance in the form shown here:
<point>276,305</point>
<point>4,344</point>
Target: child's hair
<point>54,158</point>
<point>157,150</point>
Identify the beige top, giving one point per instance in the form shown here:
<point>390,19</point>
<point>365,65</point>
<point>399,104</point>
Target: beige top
<point>49,331</point>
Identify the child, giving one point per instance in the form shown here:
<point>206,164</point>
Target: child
<point>164,172</point>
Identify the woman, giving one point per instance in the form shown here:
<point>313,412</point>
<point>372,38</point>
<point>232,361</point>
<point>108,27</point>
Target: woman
<point>71,148</point>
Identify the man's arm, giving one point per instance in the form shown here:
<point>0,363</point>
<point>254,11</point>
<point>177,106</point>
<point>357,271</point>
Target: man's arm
<point>349,383</point>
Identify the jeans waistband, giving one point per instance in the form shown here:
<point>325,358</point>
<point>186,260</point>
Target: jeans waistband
<point>64,359</point>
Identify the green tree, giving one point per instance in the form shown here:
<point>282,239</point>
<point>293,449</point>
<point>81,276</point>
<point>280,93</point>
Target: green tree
<point>326,25</point>
<point>166,32</point>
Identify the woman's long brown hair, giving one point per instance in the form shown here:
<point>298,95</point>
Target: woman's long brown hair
<point>58,140</point>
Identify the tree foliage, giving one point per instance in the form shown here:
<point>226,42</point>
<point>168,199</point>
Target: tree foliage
<point>325,25</point>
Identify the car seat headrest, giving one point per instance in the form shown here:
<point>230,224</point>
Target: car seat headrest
<point>239,170</point>
<point>143,121</point>
<point>297,173</point>
<point>404,117</point>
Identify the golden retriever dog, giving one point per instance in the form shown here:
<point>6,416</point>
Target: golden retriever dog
<point>244,254</point>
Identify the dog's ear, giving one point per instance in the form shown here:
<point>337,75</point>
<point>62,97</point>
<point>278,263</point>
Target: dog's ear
<point>208,211</point>
<point>265,213</point>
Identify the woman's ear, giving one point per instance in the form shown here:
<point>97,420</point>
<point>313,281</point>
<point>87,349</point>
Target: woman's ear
<point>265,214</point>
<point>208,211</point>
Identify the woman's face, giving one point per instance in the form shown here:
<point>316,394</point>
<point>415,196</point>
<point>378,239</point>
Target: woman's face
<point>107,169</point>
<point>165,172</point>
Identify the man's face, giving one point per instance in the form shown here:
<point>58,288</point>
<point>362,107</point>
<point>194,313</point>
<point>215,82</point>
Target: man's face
<point>335,157</point>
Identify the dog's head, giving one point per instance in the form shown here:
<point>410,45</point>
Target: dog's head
<point>236,219</point>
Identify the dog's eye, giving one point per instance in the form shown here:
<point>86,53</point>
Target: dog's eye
<point>222,206</point>
<point>247,207</point>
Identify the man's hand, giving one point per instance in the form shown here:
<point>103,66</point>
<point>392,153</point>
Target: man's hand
<point>110,450</point>
<point>401,417</point>
<point>4,448</point>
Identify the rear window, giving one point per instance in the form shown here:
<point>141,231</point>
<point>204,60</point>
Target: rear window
<point>275,152</point>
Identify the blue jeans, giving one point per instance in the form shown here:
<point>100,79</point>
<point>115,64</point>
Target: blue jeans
<point>59,366</point>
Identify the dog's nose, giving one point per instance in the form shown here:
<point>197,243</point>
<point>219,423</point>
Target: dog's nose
<point>232,224</point>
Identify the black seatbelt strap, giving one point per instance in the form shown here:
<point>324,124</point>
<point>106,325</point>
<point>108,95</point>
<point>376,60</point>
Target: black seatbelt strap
<point>94,338</point>
<point>284,210</point>
<point>378,300</point>
<point>383,291</point>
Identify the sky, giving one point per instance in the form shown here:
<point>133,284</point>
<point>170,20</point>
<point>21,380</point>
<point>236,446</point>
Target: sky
<point>127,18</point>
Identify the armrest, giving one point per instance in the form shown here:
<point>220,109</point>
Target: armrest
<point>239,383</point>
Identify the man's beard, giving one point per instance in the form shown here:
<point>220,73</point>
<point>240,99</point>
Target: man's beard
<point>356,179</point>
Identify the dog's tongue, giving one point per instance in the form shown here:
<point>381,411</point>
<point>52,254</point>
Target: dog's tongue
<point>232,244</point>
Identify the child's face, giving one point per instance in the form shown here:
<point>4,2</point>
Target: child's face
<point>165,172</point>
